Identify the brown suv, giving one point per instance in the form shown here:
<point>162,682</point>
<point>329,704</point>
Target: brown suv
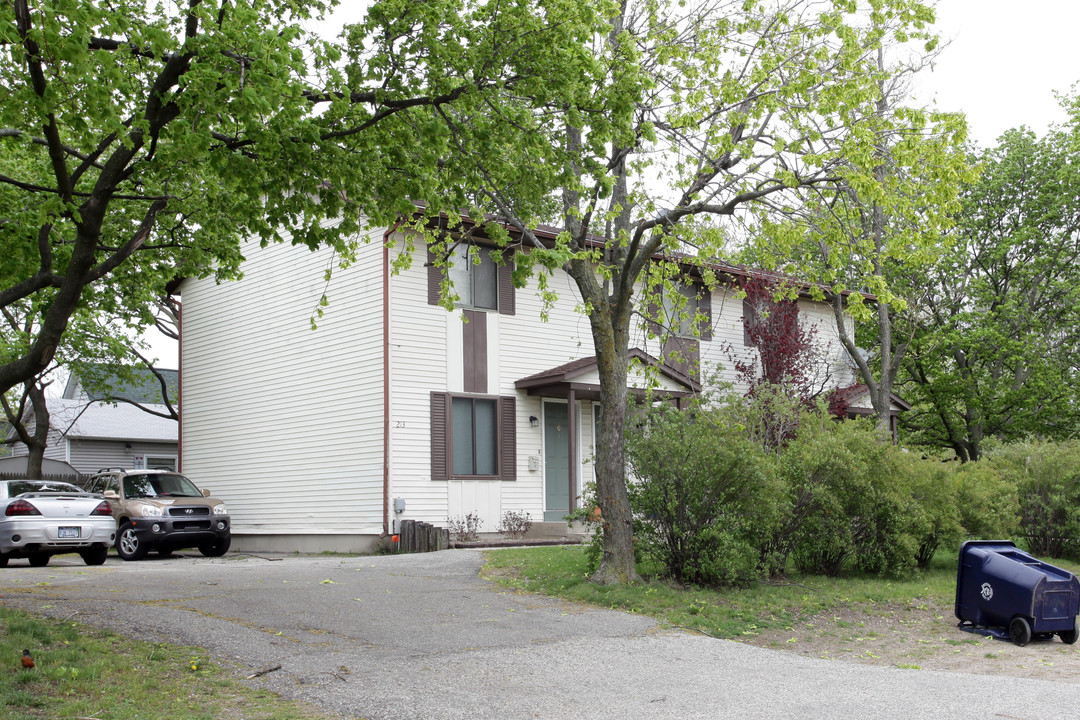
<point>162,510</point>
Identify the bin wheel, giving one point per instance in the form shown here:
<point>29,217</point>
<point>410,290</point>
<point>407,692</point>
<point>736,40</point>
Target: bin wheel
<point>1020,631</point>
<point>1069,636</point>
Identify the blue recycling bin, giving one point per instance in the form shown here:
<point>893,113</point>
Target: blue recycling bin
<point>1000,586</point>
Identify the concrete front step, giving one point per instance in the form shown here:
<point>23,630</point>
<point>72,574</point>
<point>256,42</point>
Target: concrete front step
<point>554,530</point>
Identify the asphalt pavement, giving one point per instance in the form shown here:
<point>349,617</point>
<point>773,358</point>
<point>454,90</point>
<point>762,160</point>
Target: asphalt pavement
<point>424,637</point>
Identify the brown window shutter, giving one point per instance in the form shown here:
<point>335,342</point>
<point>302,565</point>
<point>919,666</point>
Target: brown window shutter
<point>440,440</point>
<point>508,439</point>
<point>506,284</point>
<point>653,313</point>
<point>705,308</point>
<point>683,355</point>
<point>475,360</point>
<point>434,279</point>
<point>749,320</point>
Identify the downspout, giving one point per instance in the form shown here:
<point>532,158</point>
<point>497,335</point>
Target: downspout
<point>386,377</point>
<point>180,388</point>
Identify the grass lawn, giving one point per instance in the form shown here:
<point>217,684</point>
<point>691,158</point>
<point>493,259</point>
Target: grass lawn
<point>725,613</point>
<point>86,673</point>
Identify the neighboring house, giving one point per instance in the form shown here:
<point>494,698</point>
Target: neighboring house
<point>91,433</point>
<point>144,389</point>
<point>394,408</point>
<point>856,402</point>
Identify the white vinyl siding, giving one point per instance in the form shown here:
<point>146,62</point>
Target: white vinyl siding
<point>425,353</point>
<point>283,421</point>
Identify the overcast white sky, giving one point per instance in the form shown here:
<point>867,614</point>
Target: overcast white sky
<point>1004,61</point>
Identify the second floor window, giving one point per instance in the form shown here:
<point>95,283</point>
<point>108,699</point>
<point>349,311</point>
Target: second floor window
<point>475,276</point>
<point>681,311</point>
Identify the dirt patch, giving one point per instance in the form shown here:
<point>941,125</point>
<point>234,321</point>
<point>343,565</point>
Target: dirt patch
<point>921,635</point>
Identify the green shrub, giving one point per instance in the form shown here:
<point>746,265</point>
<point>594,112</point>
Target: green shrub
<point>851,502</point>
<point>1047,481</point>
<point>703,495</point>
<point>936,522</point>
<point>986,500</point>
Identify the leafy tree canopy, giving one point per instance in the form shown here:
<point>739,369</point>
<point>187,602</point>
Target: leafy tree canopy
<point>703,113</point>
<point>997,338</point>
<point>140,142</point>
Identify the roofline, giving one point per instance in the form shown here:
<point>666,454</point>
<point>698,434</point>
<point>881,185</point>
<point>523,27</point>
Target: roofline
<point>548,379</point>
<point>119,438</point>
<point>550,233</point>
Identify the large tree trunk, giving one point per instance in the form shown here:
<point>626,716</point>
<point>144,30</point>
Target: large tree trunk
<point>609,319</point>
<point>617,562</point>
<point>36,442</point>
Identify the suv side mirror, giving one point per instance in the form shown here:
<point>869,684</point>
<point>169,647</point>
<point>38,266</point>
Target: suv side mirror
<point>111,495</point>
<point>206,493</point>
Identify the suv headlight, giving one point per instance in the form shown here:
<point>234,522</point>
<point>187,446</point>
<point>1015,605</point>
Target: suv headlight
<point>151,511</point>
<point>220,509</point>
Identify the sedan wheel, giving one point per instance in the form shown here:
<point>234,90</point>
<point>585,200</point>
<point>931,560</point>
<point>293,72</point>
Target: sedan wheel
<point>95,555</point>
<point>3,560</point>
<point>38,559</point>
<point>217,548</point>
<point>128,545</point>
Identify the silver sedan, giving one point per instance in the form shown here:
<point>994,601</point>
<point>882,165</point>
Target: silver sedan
<point>42,518</point>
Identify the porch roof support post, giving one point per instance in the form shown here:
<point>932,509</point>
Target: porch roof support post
<point>571,428</point>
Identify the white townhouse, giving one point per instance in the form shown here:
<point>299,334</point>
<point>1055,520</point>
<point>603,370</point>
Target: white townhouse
<point>395,408</point>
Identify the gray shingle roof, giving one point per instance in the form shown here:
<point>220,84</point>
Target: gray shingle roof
<point>105,421</point>
<point>101,382</point>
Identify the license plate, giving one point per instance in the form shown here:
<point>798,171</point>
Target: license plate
<point>66,533</point>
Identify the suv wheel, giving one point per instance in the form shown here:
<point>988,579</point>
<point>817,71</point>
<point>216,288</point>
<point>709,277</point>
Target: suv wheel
<point>217,548</point>
<point>95,555</point>
<point>128,545</point>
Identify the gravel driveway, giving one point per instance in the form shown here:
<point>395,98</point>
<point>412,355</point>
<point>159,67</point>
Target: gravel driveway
<point>422,636</point>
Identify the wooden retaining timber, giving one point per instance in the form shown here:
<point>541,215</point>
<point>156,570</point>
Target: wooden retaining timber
<point>418,537</point>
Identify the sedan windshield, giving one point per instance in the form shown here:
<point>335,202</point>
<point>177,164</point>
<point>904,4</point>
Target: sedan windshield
<point>159,485</point>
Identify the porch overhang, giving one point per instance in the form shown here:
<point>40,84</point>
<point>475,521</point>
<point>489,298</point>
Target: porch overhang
<point>579,379</point>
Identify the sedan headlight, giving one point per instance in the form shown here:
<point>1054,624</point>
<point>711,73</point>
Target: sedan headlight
<point>220,509</point>
<point>151,511</point>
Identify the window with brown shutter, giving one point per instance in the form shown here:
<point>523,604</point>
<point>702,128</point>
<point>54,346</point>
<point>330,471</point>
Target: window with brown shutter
<point>677,309</point>
<point>473,436</point>
<point>479,280</point>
